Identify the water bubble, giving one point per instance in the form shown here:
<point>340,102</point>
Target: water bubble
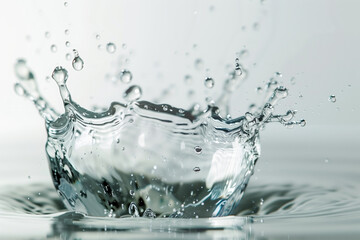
<point>125,76</point>
<point>196,169</point>
<point>60,75</point>
<point>199,64</point>
<point>209,82</point>
<point>148,213</point>
<point>67,44</point>
<point>53,48</point>
<point>165,107</point>
<point>198,149</point>
<point>47,34</point>
<point>332,98</point>
<point>132,93</point>
<point>77,63</point>
<point>110,47</point>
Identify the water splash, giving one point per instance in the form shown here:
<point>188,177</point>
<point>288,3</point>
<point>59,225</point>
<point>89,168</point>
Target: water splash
<point>139,155</point>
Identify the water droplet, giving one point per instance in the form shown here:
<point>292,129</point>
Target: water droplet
<point>302,123</point>
<point>77,63</point>
<point>60,75</point>
<point>198,149</point>
<point>67,44</point>
<point>124,46</point>
<point>133,210</point>
<point>259,90</point>
<point>209,82</point>
<point>110,47</point>
<point>281,92</point>
<point>238,70</point>
<point>125,76</point>
<point>132,193</point>
<point>47,34</point>
<point>326,160</point>
<point>68,56</point>
<point>53,48</point>
<point>243,53</point>
<point>132,93</point>
<point>278,74</point>
<point>293,80</point>
<point>188,79</point>
<point>199,64</point>
<point>256,26</point>
<point>19,89</point>
<point>65,4</point>
<point>97,36</point>
<point>332,98</point>
<point>196,169</point>
<point>22,71</point>
<point>66,31</point>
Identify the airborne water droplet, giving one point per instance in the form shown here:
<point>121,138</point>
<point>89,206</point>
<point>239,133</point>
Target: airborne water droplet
<point>53,48</point>
<point>196,169</point>
<point>132,93</point>
<point>68,56</point>
<point>60,75</point>
<point>125,76</point>
<point>302,123</point>
<point>19,89</point>
<point>67,44</point>
<point>199,64</point>
<point>332,98</point>
<point>198,149</point>
<point>209,82</point>
<point>111,47</point>
<point>238,70</point>
<point>278,74</point>
<point>47,34</point>
<point>188,79</point>
<point>77,62</point>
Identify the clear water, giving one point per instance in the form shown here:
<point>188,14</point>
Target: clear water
<point>299,196</point>
<point>146,159</point>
